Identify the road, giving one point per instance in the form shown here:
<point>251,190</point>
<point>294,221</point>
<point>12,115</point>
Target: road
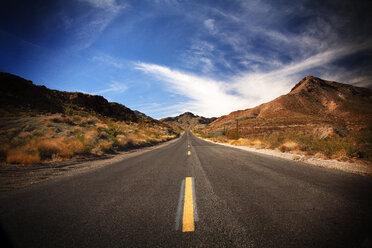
<point>241,199</point>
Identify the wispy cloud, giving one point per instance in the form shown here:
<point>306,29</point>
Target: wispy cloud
<point>209,24</point>
<point>87,27</point>
<point>114,87</point>
<point>161,110</point>
<point>252,37</point>
<point>104,4</point>
<point>106,59</point>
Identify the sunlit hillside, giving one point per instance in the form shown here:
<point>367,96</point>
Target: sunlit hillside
<point>40,125</point>
<point>317,117</point>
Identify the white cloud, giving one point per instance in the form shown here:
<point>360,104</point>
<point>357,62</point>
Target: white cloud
<point>207,97</point>
<point>114,87</point>
<point>102,3</point>
<point>209,24</point>
<point>164,110</point>
<point>109,61</point>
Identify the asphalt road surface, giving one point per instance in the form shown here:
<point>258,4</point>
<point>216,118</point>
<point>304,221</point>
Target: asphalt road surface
<point>241,199</point>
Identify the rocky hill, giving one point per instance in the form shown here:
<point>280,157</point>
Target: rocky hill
<point>18,95</point>
<point>317,115</point>
<point>312,98</point>
<point>39,125</point>
<point>188,120</point>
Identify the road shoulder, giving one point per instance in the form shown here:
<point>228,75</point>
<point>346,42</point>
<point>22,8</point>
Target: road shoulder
<point>356,168</point>
<point>13,176</point>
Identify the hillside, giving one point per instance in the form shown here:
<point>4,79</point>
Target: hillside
<point>315,98</point>
<point>188,120</point>
<point>40,125</point>
<point>20,95</point>
<point>316,116</point>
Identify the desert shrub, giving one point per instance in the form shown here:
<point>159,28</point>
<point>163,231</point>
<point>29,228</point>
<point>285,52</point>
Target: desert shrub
<point>87,121</point>
<point>18,142</point>
<point>57,119</point>
<point>139,140</point>
<point>257,143</point>
<point>47,148</point>
<point>289,146</point>
<point>48,123</point>
<point>71,147</point>
<point>12,132</point>
<point>77,146</point>
<point>274,140</point>
<point>101,126</point>
<point>69,120</point>
<point>203,134</point>
<point>102,146</point>
<point>103,135</point>
<point>22,156</point>
<point>28,128</point>
<point>243,142</point>
<point>4,147</point>
<point>90,137</point>
<point>76,119</point>
<point>232,134</point>
<point>37,132</point>
<point>124,141</point>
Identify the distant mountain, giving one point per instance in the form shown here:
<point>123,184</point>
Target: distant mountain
<point>20,95</point>
<point>311,102</point>
<point>188,120</point>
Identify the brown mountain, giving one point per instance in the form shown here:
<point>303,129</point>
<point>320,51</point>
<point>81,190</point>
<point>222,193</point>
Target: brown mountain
<point>317,117</point>
<point>313,110</point>
<point>19,95</point>
<point>188,120</point>
<point>313,98</point>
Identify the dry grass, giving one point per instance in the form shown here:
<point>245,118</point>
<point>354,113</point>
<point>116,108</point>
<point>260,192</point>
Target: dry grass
<point>58,137</point>
<point>356,145</point>
<point>21,156</point>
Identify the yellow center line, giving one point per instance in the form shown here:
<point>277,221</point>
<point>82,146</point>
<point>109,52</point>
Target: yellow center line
<point>188,208</point>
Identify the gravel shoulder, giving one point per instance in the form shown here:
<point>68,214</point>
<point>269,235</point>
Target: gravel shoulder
<point>356,168</point>
<point>15,176</point>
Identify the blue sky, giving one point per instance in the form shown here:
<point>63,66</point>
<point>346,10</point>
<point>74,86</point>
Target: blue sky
<point>165,57</point>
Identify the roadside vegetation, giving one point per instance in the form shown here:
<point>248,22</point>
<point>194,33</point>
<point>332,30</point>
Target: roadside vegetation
<point>56,137</point>
<point>353,145</point>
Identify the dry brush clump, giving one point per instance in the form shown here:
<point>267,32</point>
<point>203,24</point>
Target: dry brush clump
<point>289,146</point>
